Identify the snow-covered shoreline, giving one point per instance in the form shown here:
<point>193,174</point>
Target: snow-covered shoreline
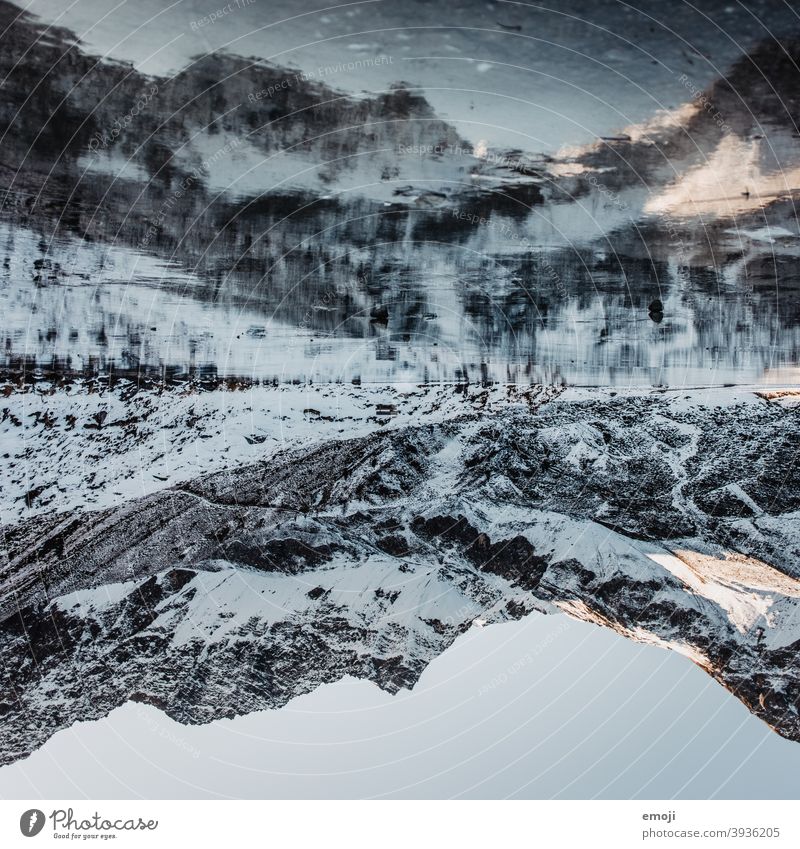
<point>85,446</point>
<point>88,447</point>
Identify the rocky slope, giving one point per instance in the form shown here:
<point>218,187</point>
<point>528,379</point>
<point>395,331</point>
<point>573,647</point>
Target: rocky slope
<point>669,517</point>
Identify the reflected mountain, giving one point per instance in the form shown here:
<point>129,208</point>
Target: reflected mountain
<point>240,219</point>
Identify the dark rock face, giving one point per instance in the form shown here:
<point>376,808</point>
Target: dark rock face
<point>514,559</point>
<point>369,556</point>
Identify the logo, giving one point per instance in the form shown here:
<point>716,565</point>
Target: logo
<point>31,822</point>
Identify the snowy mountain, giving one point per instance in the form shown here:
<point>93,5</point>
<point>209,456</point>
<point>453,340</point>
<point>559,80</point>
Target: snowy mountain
<point>669,517</point>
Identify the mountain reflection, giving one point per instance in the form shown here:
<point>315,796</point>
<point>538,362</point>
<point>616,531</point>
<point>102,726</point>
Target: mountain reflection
<point>314,236</point>
<point>397,309</point>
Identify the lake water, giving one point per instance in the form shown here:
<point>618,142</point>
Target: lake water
<point>611,260</point>
<point>420,312</point>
